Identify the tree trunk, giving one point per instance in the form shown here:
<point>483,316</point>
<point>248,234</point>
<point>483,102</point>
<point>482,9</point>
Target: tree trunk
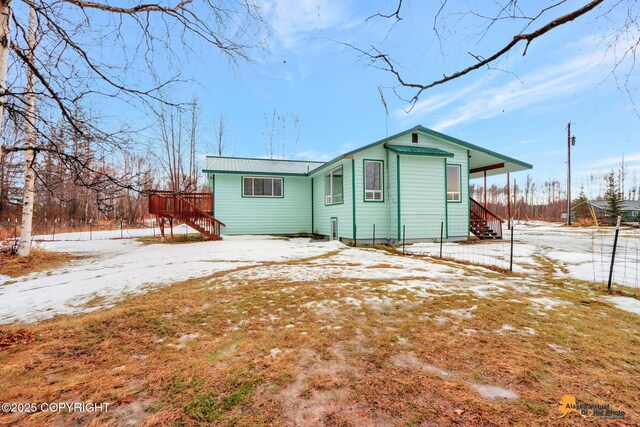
<point>5,22</point>
<point>24,246</point>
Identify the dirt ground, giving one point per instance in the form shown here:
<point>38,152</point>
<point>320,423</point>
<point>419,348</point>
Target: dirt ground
<point>352,337</point>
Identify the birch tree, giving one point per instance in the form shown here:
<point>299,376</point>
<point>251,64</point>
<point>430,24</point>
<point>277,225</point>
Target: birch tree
<point>60,57</point>
<point>24,244</point>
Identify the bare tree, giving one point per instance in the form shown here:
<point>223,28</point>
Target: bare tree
<point>178,146</point>
<point>282,134</point>
<point>531,20</point>
<point>80,53</point>
<point>24,244</point>
<point>220,133</point>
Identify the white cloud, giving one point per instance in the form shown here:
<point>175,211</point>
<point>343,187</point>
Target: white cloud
<point>538,87</point>
<point>436,102</point>
<point>313,155</point>
<point>293,20</point>
<point>615,161</point>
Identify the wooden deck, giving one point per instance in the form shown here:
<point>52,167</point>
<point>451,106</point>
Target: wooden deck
<point>194,209</point>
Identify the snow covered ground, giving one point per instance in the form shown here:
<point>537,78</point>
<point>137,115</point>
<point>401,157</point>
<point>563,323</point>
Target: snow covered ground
<point>582,253</point>
<point>113,267</point>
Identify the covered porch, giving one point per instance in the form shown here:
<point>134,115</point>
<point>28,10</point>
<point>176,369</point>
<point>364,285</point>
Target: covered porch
<point>483,163</point>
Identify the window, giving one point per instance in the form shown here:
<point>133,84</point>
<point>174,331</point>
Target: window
<point>453,183</point>
<point>254,186</point>
<point>333,186</point>
<point>634,213</point>
<point>373,180</point>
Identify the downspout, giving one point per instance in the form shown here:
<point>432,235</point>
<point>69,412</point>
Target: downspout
<point>446,202</point>
<point>388,193</point>
<point>353,196</point>
<point>468,194</point>
<point>213,193</point>
<point>312,219</point>
<point>398,191</point>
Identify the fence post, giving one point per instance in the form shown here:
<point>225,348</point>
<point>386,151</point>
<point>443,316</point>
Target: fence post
<point>374,234</point>
<point>153,227</point>
<point>613,255</point>
<point>46,229</point>
<point>441,235</point>
<point>511,253</point>
<point>403,237</point>
<point>91,229</point>
<point>121,224</point>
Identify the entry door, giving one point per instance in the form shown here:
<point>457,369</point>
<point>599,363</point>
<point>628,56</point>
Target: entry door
<point>334,228</point>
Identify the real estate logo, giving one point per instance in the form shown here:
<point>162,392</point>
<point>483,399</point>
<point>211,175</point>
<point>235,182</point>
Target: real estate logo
<point>590,411</point>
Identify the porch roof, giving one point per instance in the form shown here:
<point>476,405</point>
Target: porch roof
<point>419,151</point>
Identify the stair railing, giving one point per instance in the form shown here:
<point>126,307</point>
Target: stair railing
<point>493,221</point>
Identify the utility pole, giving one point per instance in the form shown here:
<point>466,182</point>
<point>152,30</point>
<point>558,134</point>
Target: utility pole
<point>570,141</point>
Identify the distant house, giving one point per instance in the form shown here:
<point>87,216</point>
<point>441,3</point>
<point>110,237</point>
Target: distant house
<point>630,209</point>
<point>410,185</point>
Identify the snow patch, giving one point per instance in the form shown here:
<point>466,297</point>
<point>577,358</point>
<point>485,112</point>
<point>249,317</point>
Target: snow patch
<point>631,305</point>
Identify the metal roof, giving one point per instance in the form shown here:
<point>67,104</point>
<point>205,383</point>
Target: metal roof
<point>258,166</point>
<point>419,151</point>
<point>627,205</point>
<point>481,160</point>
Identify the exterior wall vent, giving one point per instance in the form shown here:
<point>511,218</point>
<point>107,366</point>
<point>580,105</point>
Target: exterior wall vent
<point>414,138</point>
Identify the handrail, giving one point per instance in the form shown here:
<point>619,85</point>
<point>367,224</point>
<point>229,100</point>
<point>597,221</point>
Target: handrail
<point>484,209</point>
<point>202,212</point>
<point>195,209</point>
<point>492,221</point>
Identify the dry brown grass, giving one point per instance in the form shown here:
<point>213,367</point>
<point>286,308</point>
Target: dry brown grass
<point>38,260</point>
<point>203,352</point>
<point>176,239</point>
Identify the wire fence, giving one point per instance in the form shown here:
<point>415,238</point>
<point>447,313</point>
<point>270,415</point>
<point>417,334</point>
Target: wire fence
<point>616,260</point>
<point>75,229</point>
<point>450,241</point>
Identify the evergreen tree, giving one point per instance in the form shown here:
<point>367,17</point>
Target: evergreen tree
<point>613,198</point>
<point>580,206</point>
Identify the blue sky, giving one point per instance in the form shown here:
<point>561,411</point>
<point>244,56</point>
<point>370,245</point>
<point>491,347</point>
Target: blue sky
<point>520,110</point>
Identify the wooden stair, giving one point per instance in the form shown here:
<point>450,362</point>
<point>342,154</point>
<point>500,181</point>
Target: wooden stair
<point>194,209</point>
<point>484,223</point>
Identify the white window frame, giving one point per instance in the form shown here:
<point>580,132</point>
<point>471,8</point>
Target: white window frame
<point>370,195</point>
<point>253,187</point>
<point>329,197</point>
<point>454,196</point>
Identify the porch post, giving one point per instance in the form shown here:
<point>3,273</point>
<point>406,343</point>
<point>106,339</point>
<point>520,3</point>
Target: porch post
<point>485,188</point>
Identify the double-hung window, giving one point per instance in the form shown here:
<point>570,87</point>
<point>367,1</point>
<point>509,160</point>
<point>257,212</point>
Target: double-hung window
<point>258,186</point>
<point>333,191</point>
<point>373,181</point>
<point>454,183</point>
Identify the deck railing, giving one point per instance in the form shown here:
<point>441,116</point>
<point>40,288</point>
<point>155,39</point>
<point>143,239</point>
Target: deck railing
<point>493,221</point>
<point>163,202</point>
<point>195,209</point>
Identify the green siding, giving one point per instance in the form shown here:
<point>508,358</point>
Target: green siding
<point>457,213</point>
<point>414,189</point>
<point>262,215</point>
<point>369,213</point>
<point>422,189</point>
<point>322,213</point>
<point>392,166</point>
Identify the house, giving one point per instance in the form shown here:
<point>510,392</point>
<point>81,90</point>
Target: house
<point>630,209</point>
<point>412,185</point>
